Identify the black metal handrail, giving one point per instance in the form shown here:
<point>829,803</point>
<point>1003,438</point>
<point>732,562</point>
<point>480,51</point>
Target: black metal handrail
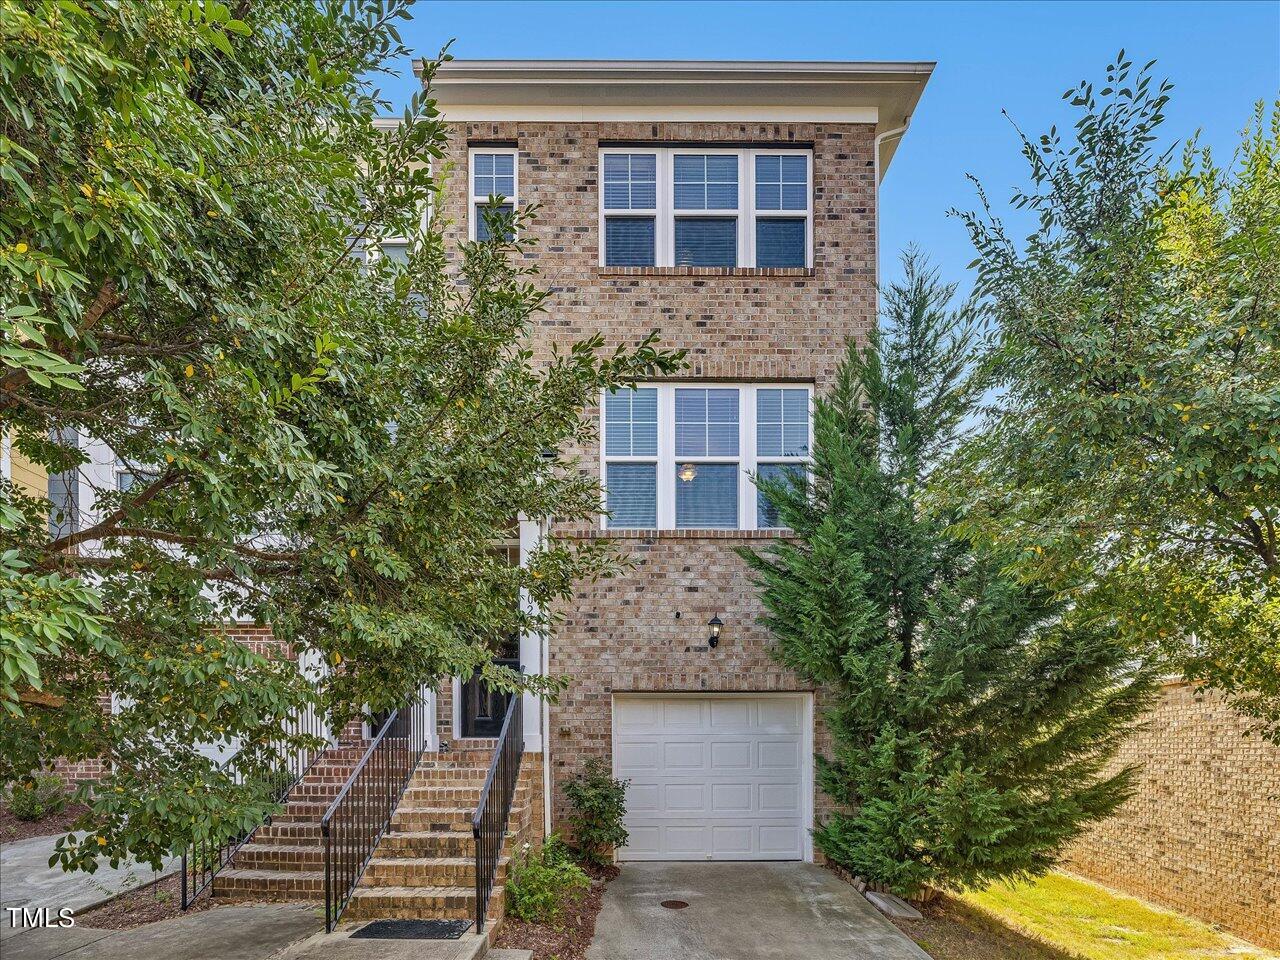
<point>361,812</point>
<point>204,859</point>
<point>489,825</point>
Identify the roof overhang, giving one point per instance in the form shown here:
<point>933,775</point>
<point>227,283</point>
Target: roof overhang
<point>884,94</point>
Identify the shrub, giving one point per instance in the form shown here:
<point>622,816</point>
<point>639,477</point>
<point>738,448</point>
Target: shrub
<point>541,882</point>
<point>599,802</point>
<point>40,796</point>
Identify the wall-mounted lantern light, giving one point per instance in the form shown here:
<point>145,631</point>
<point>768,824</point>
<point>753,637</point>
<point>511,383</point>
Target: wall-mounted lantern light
<point>714,625</point>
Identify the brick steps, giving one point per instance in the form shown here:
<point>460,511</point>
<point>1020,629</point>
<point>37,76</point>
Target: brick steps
<point>433,871</point>
<point>418,902</point>
<point>269,884</point>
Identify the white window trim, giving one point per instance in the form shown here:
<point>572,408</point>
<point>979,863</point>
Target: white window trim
<point>664,215</point>
<point>666,460</point>
<point>472,199</point>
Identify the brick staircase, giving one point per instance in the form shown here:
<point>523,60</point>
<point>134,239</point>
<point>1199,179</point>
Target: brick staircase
<point>285,861</point>
<point>425,865</point>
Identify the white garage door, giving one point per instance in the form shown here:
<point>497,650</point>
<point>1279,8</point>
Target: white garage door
<point>712,778</point>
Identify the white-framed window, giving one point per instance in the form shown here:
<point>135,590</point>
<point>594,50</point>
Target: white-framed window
<point>706,207</point>
<point>683,456</point>
<point>491,172</point>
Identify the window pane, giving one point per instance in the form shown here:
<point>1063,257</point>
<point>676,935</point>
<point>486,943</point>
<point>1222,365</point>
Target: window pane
<point>706,241</point>
<point>630,181</point>
<point>782,422</point>
<point>709,497</point>
<point>707,423</point>
<point>707,182</point>
<point>628,241</point>
<point>632,494</point>
<point>482,228</point>
<point>504,164</point>
<point>780,242</point>
<point>493,173</point>
<point>399,252</point>
<point>766,511</point>
<point>631,423</point>
<point>782,183</point>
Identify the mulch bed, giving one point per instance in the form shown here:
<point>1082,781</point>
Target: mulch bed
<point>157,901</point>
<point>567,938</point>
<point>57,824</point>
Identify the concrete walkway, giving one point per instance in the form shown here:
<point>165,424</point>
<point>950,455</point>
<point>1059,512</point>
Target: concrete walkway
<point>743,911</point>
<point>27,880</point>
<point>226,933</point>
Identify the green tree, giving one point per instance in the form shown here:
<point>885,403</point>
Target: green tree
<point>972,716</point>
<point>192,206</point>
<point>1133,458</point>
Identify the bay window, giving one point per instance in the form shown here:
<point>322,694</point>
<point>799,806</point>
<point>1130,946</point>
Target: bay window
<point>705,207</point>
<point>677,456</point>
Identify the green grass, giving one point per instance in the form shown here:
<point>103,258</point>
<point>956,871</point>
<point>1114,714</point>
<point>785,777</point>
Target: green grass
<point>1082,919</point>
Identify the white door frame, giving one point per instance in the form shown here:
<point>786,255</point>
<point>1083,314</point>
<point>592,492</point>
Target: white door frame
<point>806,741</point>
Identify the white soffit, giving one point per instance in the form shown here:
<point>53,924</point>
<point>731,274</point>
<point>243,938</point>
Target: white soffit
<point>682,90</point>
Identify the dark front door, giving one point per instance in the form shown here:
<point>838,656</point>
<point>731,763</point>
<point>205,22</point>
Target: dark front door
<point>483,709</point>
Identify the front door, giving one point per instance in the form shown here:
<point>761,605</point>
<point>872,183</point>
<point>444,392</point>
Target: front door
<point>484,709</point>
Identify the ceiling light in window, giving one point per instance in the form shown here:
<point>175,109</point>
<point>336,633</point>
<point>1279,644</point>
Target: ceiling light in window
<point>688,471</point>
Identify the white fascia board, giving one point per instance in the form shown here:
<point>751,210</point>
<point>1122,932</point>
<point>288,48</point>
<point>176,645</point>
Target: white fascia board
<point>658,113</point>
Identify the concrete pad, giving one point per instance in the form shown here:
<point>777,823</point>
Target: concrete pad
<point>227,933</point>
<point>46,943</point>
<point>339,946</point>
<point>892,906</point>
<point>27,880</point>
<point>744,911</point>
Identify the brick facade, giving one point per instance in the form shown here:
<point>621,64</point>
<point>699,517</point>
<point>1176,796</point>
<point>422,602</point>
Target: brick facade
<point>645,630</point>
<point>1202,834</point>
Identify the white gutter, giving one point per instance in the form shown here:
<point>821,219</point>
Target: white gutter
<point>880,138</point>
<point>543,529</point>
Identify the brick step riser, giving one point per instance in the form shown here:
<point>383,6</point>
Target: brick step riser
<point>423,798</point>
<point>400,873</point>
<point>267,857</point>
<point>400,907</point>
<point>286,886</point>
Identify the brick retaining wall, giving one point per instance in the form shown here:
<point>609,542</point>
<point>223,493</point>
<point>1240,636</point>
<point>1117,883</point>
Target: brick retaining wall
<point>1202,834</point>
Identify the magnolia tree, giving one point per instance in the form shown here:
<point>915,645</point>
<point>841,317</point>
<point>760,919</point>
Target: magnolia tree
<point>1133,458</point>
<point>318,438</point>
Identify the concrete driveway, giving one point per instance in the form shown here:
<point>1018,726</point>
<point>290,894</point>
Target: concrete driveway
<point>742,911</point>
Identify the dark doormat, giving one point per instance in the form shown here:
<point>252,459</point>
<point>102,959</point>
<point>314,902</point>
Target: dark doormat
<point>412,930</point>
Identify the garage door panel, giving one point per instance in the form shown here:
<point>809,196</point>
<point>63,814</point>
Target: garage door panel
<point>732,798</point>
<point>684,798</point>
<point>684,754</point>
<point>779,754</point>
<point>712,777</point>
<point>731,714</point>
<point>781,716</point>
<point>731,755</point>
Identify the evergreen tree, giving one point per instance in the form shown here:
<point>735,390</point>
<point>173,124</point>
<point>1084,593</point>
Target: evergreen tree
<point>973,715</point>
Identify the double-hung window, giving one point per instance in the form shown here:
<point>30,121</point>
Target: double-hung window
<point>631,208</point>
<point>706,207</point>
<point>685,456</point>
<point>493,174</point>
<point>782,443</point>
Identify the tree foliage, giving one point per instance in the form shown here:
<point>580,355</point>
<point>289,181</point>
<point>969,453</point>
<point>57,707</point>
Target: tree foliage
<point>191,205</point>
<point>1133,458</point>
<point>972,715</point>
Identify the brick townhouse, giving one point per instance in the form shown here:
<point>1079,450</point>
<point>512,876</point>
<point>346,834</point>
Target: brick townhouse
<point>733,207</point>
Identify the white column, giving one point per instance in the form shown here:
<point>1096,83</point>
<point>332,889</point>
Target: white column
<point>532,647</point>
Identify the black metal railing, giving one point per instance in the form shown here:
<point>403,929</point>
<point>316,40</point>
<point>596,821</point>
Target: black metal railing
<point>489,825</point>
<point>303,738</point>
<point>362,810</point>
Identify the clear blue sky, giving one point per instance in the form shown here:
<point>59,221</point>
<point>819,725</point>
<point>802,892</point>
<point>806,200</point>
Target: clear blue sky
<point>1018,57</point>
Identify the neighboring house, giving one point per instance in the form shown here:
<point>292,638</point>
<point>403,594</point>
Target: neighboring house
<point>733,207</point>
<point>28,477</point>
